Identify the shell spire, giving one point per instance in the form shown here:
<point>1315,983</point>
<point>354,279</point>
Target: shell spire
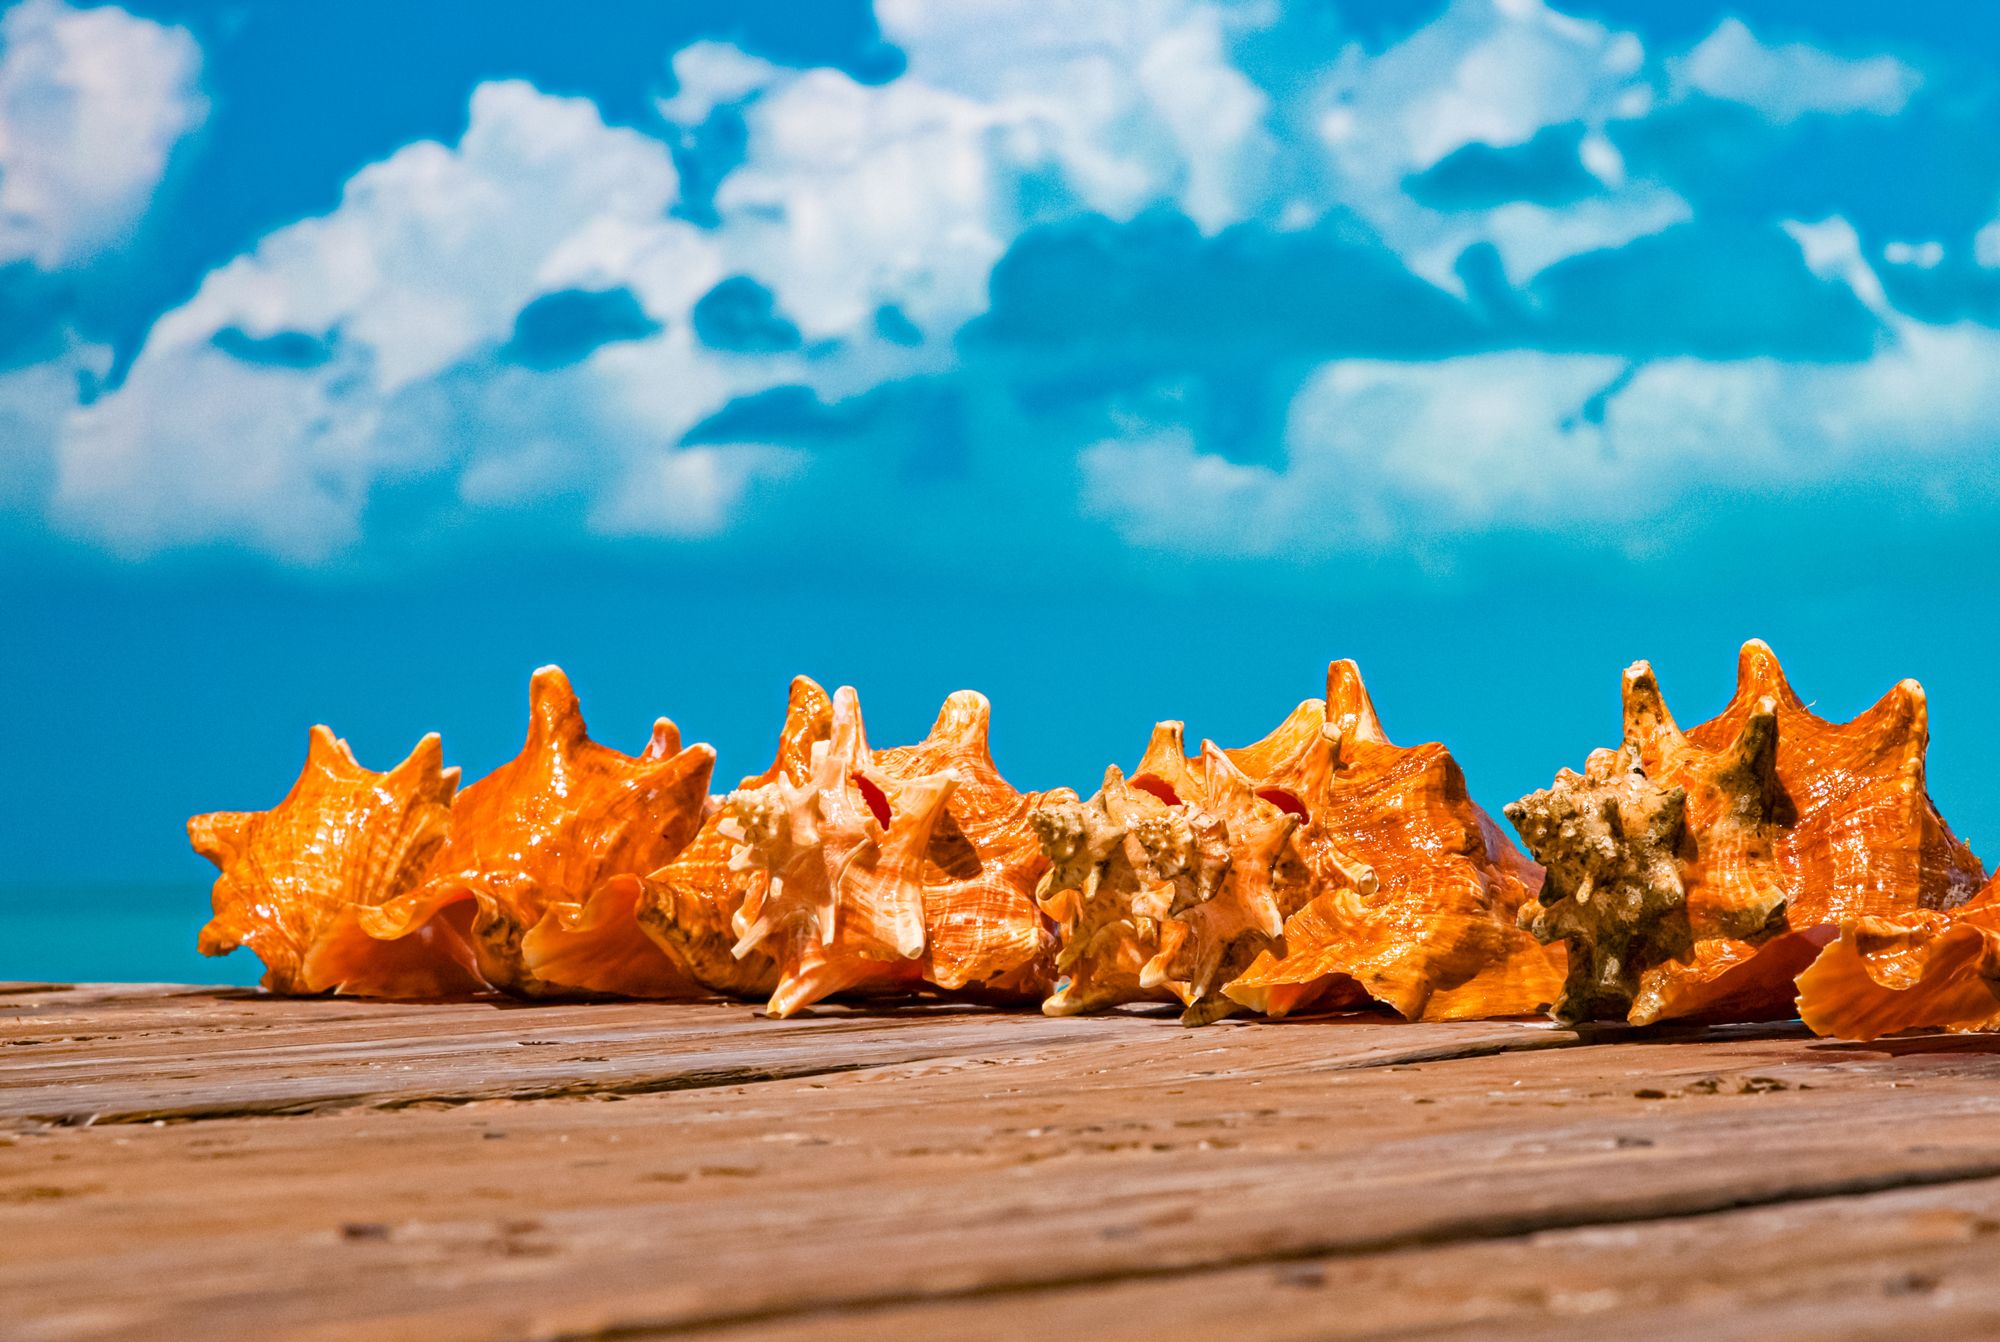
<point>344,839</point>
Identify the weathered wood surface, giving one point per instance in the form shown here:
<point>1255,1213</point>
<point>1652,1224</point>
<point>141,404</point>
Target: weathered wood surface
<point>341,1170</point>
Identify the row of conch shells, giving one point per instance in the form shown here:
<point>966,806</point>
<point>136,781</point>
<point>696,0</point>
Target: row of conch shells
<point>577,869</point>
<point>1763,864</point>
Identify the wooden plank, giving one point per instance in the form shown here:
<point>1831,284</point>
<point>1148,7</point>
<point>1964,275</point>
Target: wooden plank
<point>105,1055</point>
<point>1128,1160</point>
<point>1877,1266</point>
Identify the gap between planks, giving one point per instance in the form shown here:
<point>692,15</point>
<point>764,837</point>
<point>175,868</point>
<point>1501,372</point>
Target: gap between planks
<point>1450,1234</point>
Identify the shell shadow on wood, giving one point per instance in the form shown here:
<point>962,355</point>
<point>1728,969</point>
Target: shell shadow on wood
<point>1693,874</point>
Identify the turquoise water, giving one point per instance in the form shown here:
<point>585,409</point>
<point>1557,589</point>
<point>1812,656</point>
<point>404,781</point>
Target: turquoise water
<point>104,934</point>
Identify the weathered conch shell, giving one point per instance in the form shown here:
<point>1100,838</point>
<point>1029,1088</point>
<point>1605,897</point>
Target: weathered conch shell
<point>1694,874</point>
<point>1320,867</point>
<point>1919,970</point>
<point>888,873</point>
<point>549,849</point>
<point>690,905</point>
<point>344,840</point>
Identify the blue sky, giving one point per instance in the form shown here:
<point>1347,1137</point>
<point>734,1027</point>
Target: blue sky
<point>1121,360</point>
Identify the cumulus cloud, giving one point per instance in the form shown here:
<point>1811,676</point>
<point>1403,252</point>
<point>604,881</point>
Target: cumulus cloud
<point>1397,457</point>
<point>92,103</point>
<point>1075,245</point>
<point>1789,80</point>
<point>413,292</point>
<point>851,197</point>
<point>856,234</point>
<point>1449,102</point>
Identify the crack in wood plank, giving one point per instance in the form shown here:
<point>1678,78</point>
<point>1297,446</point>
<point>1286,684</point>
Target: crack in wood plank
<point>1470,1230</point>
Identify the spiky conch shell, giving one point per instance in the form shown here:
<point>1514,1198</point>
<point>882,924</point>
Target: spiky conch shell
<point>342,843</point>
<point>1912,971</point>
<point>1417,891</point>
<point>1695,874</point>
<point>1321,867</point>
<point>1169,884</point>
<point>895,872</point>
<point>546,853</point>
<point>689,906</point>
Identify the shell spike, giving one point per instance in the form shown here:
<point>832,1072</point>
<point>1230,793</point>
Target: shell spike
<point>849,739</point>
<point>426,757</point>
<point>920,805</point>
<point>1349,706</point>
<point>1649,724</point>
<point>1748,770</point>
<point>1223,778</point>
<point>965,718</point>
<point>665,741</point>
<point>1758,675</point>
<point>1166,749</point>
<point>555,717</point>
<point>218,835</point>
<point>330,754</point>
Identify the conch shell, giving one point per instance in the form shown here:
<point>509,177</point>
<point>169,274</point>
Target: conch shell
<point>1320,867</point>
<point>1919,970</point>
<point>1695,874</point>
<point>549,849</point>
<point>1417,890</point>
<point>689,906</point>
<point>343,842</point>
<point>889,873</point>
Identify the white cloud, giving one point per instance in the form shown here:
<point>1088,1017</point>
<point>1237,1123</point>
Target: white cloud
<point>92,103</point>
<point>854,196</point>
<point>1986,245</point>
<point>712,75</point>
<point>434,249</point>
<point>1494,72</point>
<point>851,197</point>
<point>413,282</point>
<point>1925,255</point>
<point>1787,81</point>
<point>1385,456</point>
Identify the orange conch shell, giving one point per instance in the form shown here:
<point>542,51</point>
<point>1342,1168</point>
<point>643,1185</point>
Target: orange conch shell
<point>1694,874</point>
<point>1320,867</point>
<point>548,851</point>
<point>343,841</point>
<point>891,872</point>
<point>1416,890</point>
<point>1920,970</point>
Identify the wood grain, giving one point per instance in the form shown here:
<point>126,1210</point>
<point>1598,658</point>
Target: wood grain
<point>1000,1175</point>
